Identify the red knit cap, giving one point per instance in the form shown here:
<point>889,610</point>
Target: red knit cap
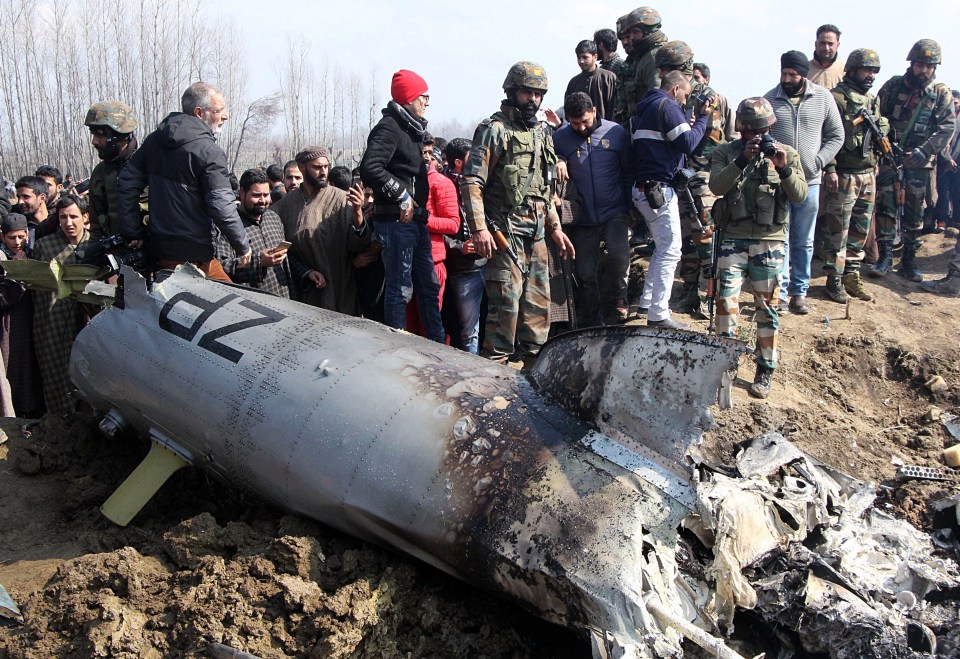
<point>407,86</point>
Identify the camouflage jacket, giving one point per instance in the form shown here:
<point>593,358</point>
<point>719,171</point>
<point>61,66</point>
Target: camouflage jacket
<point>935,120</point>
<point>638,77</point>
<point>496,173</point>
<point>720,125</point>
<point>856,155</point>
<point>755,197</point>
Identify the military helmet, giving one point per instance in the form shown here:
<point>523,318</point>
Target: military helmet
<point>926,51</point>
<point>526,74</point>
<point>675,54</point>
<point>862,57</point>
<point>621,22</point>
<point>112,114</point>
<point>644,17</point>
<point>755,113</point>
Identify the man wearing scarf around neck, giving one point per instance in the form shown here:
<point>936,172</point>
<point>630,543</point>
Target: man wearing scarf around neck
<point>508,180</point>
<point>394,168</point>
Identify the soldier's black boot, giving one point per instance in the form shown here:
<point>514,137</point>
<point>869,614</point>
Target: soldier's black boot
<point>762,382</point>
<point>908,261</point>
<point>835,289</point>
<point>688,298</point>
<point>949,285</point>
<point>884,259</point>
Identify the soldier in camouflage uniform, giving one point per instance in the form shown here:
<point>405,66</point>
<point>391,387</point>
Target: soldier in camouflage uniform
<point>696,225</point>
<point>111,125</point>
<point>920,112</point>
<point>640,34</point>
<point>751,217</point>
<point>849,180</point>
<point>507,180</point>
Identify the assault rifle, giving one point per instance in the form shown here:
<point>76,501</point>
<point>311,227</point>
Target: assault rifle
<point>890,153</point>
<point>712,278</point>
<point>504,245</point>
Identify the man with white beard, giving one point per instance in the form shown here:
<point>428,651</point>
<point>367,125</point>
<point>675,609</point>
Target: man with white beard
<point>189,188</point>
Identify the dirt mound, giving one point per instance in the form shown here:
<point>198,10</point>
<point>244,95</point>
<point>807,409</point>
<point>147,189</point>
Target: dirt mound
<point>269,584</point>
<point>203,563</point>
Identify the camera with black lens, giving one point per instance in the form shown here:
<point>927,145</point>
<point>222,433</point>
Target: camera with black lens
<point>682,178</point>
<point>112,252</point>
<point>700,96</point>
<point>768,146</point>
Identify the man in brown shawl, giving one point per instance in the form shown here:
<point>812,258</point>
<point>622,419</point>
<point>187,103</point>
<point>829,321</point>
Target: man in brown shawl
<point>326,231</point>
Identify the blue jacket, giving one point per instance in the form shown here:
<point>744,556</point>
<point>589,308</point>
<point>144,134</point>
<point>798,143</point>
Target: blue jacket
<point>658,155</point>
<point>599,165</point>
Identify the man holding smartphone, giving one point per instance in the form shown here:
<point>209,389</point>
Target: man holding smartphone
<point>269,268</point>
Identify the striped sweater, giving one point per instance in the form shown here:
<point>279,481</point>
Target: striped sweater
<point>813,127</point>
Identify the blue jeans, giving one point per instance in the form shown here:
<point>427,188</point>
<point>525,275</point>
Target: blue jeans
<point>586,241</point>
<point>408,267</point>
<point>464,295</point>
<point>796,265</point>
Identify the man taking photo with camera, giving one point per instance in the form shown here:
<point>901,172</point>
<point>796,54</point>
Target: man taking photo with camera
<point>661,138</point>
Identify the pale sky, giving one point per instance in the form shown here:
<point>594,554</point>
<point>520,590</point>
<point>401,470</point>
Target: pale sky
<point>463,49</point>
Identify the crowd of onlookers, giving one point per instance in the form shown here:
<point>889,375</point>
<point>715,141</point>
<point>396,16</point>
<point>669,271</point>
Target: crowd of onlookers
<point>487,244</point>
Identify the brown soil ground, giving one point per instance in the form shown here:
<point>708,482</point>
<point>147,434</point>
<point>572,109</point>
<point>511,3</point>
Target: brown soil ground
<point>204,564</point>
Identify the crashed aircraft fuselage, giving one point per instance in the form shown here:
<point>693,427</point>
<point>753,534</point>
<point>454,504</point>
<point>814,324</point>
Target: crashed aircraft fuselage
<point>552,491</point>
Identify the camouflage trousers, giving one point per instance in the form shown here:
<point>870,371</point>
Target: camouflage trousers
<point>760,261</point>
<point>847,222</point>
<point>517,311</point>
<point>695,255</point>
<point>915,183</point>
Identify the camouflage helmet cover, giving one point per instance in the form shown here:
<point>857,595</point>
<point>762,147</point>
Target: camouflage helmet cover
<point>926,51</point>
<point>645,17</point>
<point>674,53</point>
<point>862,57</point>
<point>526,74</point>
<point>755,113</point>
<point>112,114</point>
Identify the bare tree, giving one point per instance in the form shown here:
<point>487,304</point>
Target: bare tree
<point>261,115</point>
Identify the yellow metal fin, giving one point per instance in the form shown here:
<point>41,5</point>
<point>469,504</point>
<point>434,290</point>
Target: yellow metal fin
<point>140,486</point>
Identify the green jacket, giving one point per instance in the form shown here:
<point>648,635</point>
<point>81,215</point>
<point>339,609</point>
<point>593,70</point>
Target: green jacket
<point>859,151</point>
<point>495,175</point>
<point>639,76</point>
<point>934,124</point>
<point>754,196</point>
<point>720,125</point>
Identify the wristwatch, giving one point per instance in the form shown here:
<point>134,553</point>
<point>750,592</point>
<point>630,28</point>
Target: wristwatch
<point>406,204</point>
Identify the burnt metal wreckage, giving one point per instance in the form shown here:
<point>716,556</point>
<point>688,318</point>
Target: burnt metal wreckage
<point>576,490</point>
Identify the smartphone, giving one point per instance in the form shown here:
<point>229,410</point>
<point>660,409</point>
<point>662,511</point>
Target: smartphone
<point>282,246</point>
<point>356,181</point>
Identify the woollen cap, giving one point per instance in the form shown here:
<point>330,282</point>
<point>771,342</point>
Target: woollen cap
<point>311,153</point>
<point>794,59</point>
<point>13,222</point>
<point>406,86</point>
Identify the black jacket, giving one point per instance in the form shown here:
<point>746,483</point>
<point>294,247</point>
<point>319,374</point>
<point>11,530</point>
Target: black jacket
<point>189,192</point>
<point>393,162</point>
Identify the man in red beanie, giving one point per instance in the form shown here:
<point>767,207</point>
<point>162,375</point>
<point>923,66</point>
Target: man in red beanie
<point>394,168</point>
